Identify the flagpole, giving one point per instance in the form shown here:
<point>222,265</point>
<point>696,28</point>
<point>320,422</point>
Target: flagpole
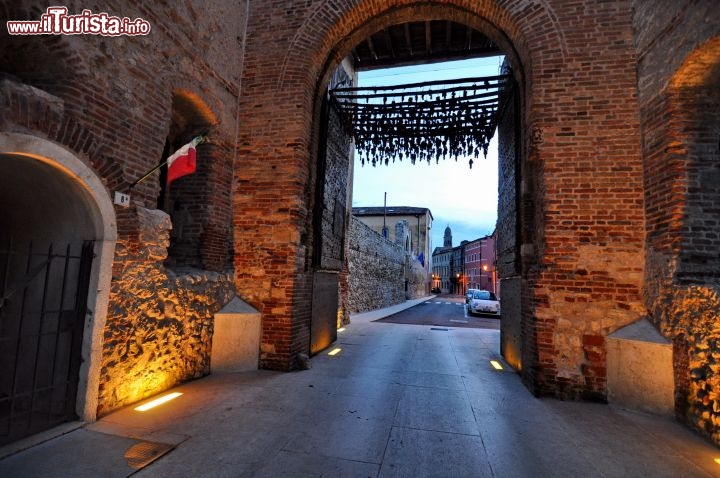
<point>146,175</point>
<point>203,139</point>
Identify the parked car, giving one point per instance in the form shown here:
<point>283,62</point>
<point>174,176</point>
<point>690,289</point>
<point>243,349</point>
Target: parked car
<point>468,295</point>
<point>435,290</point>
<point>483,302</point>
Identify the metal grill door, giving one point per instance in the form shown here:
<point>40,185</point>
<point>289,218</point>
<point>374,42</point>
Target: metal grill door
<point>323,328</point>
<point>43,297</point>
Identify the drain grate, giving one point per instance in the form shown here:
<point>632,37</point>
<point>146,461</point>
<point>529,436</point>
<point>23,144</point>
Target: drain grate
<point>438,328</point>
<point>142,454</point>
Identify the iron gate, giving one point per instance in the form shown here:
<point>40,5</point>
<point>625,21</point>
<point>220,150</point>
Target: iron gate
<point>43,300</point>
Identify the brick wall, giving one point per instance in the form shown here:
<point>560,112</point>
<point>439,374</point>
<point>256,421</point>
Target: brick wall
<point>679,98</point>
<point>584,179</point>
<point>333,175</point>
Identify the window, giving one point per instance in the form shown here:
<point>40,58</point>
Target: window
<point>198,238</point>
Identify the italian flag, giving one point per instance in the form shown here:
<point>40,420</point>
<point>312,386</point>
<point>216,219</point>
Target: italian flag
<point>182,162</point>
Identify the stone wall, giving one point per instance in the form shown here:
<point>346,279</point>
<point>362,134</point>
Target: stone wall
<point>679,97</point>
<point>376,269</point>
<point>381,272</point>
<point>415,277</point>
<point>160,322</point>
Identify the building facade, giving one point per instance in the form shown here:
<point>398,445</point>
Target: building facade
<point>449,270</point>
<point>442,260</point>
<point>480,264</point>
<point>458,281</point>
<point>441,269</point>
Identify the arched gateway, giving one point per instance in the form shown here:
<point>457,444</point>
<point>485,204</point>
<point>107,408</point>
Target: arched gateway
<point>56,246</point>
<point>573,231</point>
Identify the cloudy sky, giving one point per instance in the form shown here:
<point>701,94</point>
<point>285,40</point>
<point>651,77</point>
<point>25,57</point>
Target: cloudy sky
<point>463,198</point>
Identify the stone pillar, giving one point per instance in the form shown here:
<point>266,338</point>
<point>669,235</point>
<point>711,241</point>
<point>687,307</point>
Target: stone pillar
<point>640,369</point>
<point>236,338</point>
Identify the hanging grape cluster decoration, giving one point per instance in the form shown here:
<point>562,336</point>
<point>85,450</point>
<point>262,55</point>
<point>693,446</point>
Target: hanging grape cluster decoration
<point>422,121</point>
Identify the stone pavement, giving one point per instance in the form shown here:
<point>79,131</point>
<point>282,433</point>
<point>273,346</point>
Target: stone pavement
<point>396,401</point>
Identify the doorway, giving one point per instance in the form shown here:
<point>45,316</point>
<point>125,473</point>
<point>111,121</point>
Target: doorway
<point>56,247</point>
<point>43,302</point>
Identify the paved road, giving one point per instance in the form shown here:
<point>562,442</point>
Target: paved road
<point>397,401</point>
<point>443,311</point>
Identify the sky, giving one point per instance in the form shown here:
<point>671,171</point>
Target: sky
<point>464,199</point>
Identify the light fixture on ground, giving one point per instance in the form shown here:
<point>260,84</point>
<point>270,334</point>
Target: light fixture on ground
<point>335,351</point>
<point>158,401</point>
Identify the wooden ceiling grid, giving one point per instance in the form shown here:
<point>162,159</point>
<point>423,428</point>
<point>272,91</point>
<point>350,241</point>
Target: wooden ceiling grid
<point>422,121</point>
<point>421,42</point>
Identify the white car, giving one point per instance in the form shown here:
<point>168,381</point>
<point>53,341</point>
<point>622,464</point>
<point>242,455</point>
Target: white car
<point>483,302</point>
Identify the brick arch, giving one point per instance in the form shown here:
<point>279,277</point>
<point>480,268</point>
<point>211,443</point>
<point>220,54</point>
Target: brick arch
<point>683,121</point>
<point>288,55</point>
<point>192,108</point>
<point>694,95</point>
<point>512,27</point>
<point>701,68</point>
<point>279,106</point>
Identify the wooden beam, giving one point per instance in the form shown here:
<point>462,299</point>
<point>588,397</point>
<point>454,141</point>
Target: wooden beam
<point>408,39</point>
<point>389,40</point>
<point>355,56</point>
<point>448,36</point>
<point>485,81</point>
<point>428,38</point>
<point>372,48</point>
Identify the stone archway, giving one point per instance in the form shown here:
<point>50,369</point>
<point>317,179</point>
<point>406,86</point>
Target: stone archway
<point>67,201</point>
